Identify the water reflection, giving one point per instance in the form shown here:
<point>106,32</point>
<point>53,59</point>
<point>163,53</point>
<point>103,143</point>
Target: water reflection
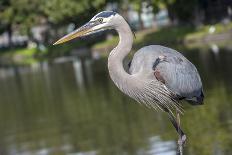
<point>74,108</point>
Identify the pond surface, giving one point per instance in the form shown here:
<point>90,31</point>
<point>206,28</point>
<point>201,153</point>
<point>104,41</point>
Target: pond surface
<point>74,108</point>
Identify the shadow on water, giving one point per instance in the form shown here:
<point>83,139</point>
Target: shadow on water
<point>74,108</point>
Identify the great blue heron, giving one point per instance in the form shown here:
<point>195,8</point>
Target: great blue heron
<point>159,77</point>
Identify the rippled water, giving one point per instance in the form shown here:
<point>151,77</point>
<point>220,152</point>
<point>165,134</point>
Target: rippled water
<point>74,108</point>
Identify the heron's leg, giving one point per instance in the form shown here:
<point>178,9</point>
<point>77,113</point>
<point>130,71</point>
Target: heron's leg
<point>182,136</point>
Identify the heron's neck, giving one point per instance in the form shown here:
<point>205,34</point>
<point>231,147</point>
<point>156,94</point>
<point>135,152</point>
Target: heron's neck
<point>115,60</point>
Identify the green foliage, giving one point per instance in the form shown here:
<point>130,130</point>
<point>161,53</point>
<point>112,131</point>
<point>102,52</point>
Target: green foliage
<point>69,9</point>
<point>25,14</point>
<point>183,10</point>
<point>158,4</point>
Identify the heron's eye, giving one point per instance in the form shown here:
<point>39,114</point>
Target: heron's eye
<point>100,20</point>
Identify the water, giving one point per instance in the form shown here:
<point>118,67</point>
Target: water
<point>74,108</point>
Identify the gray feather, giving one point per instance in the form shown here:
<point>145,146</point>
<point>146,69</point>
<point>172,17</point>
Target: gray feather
<point>180,75</point>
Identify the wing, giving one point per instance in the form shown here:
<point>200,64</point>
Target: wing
<point>172,69</point>
<point>181,77</point>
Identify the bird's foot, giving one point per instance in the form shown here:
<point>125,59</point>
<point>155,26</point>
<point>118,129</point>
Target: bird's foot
<point>182,140</point>
<point>181,143</point>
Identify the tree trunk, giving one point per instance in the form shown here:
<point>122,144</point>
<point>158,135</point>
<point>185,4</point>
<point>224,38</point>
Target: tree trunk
<point>141,25</point>
<point>9,32</point>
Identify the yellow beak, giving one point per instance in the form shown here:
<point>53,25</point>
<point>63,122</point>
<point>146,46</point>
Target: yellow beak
<point>77,33</point>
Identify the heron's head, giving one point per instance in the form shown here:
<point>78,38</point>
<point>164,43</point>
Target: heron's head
<point>102,21</point>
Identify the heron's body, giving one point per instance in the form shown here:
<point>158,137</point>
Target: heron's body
<point>158,77</point>
<point>177,73</point>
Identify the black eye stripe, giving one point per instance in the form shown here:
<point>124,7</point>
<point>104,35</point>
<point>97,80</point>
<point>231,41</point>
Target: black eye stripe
<point>106,14</point>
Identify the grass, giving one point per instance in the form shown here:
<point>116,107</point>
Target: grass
<point>21,56</point>
<point>23,52</point>
<point>204,30</point>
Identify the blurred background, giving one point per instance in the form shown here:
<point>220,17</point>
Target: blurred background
<point>58,100</point>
